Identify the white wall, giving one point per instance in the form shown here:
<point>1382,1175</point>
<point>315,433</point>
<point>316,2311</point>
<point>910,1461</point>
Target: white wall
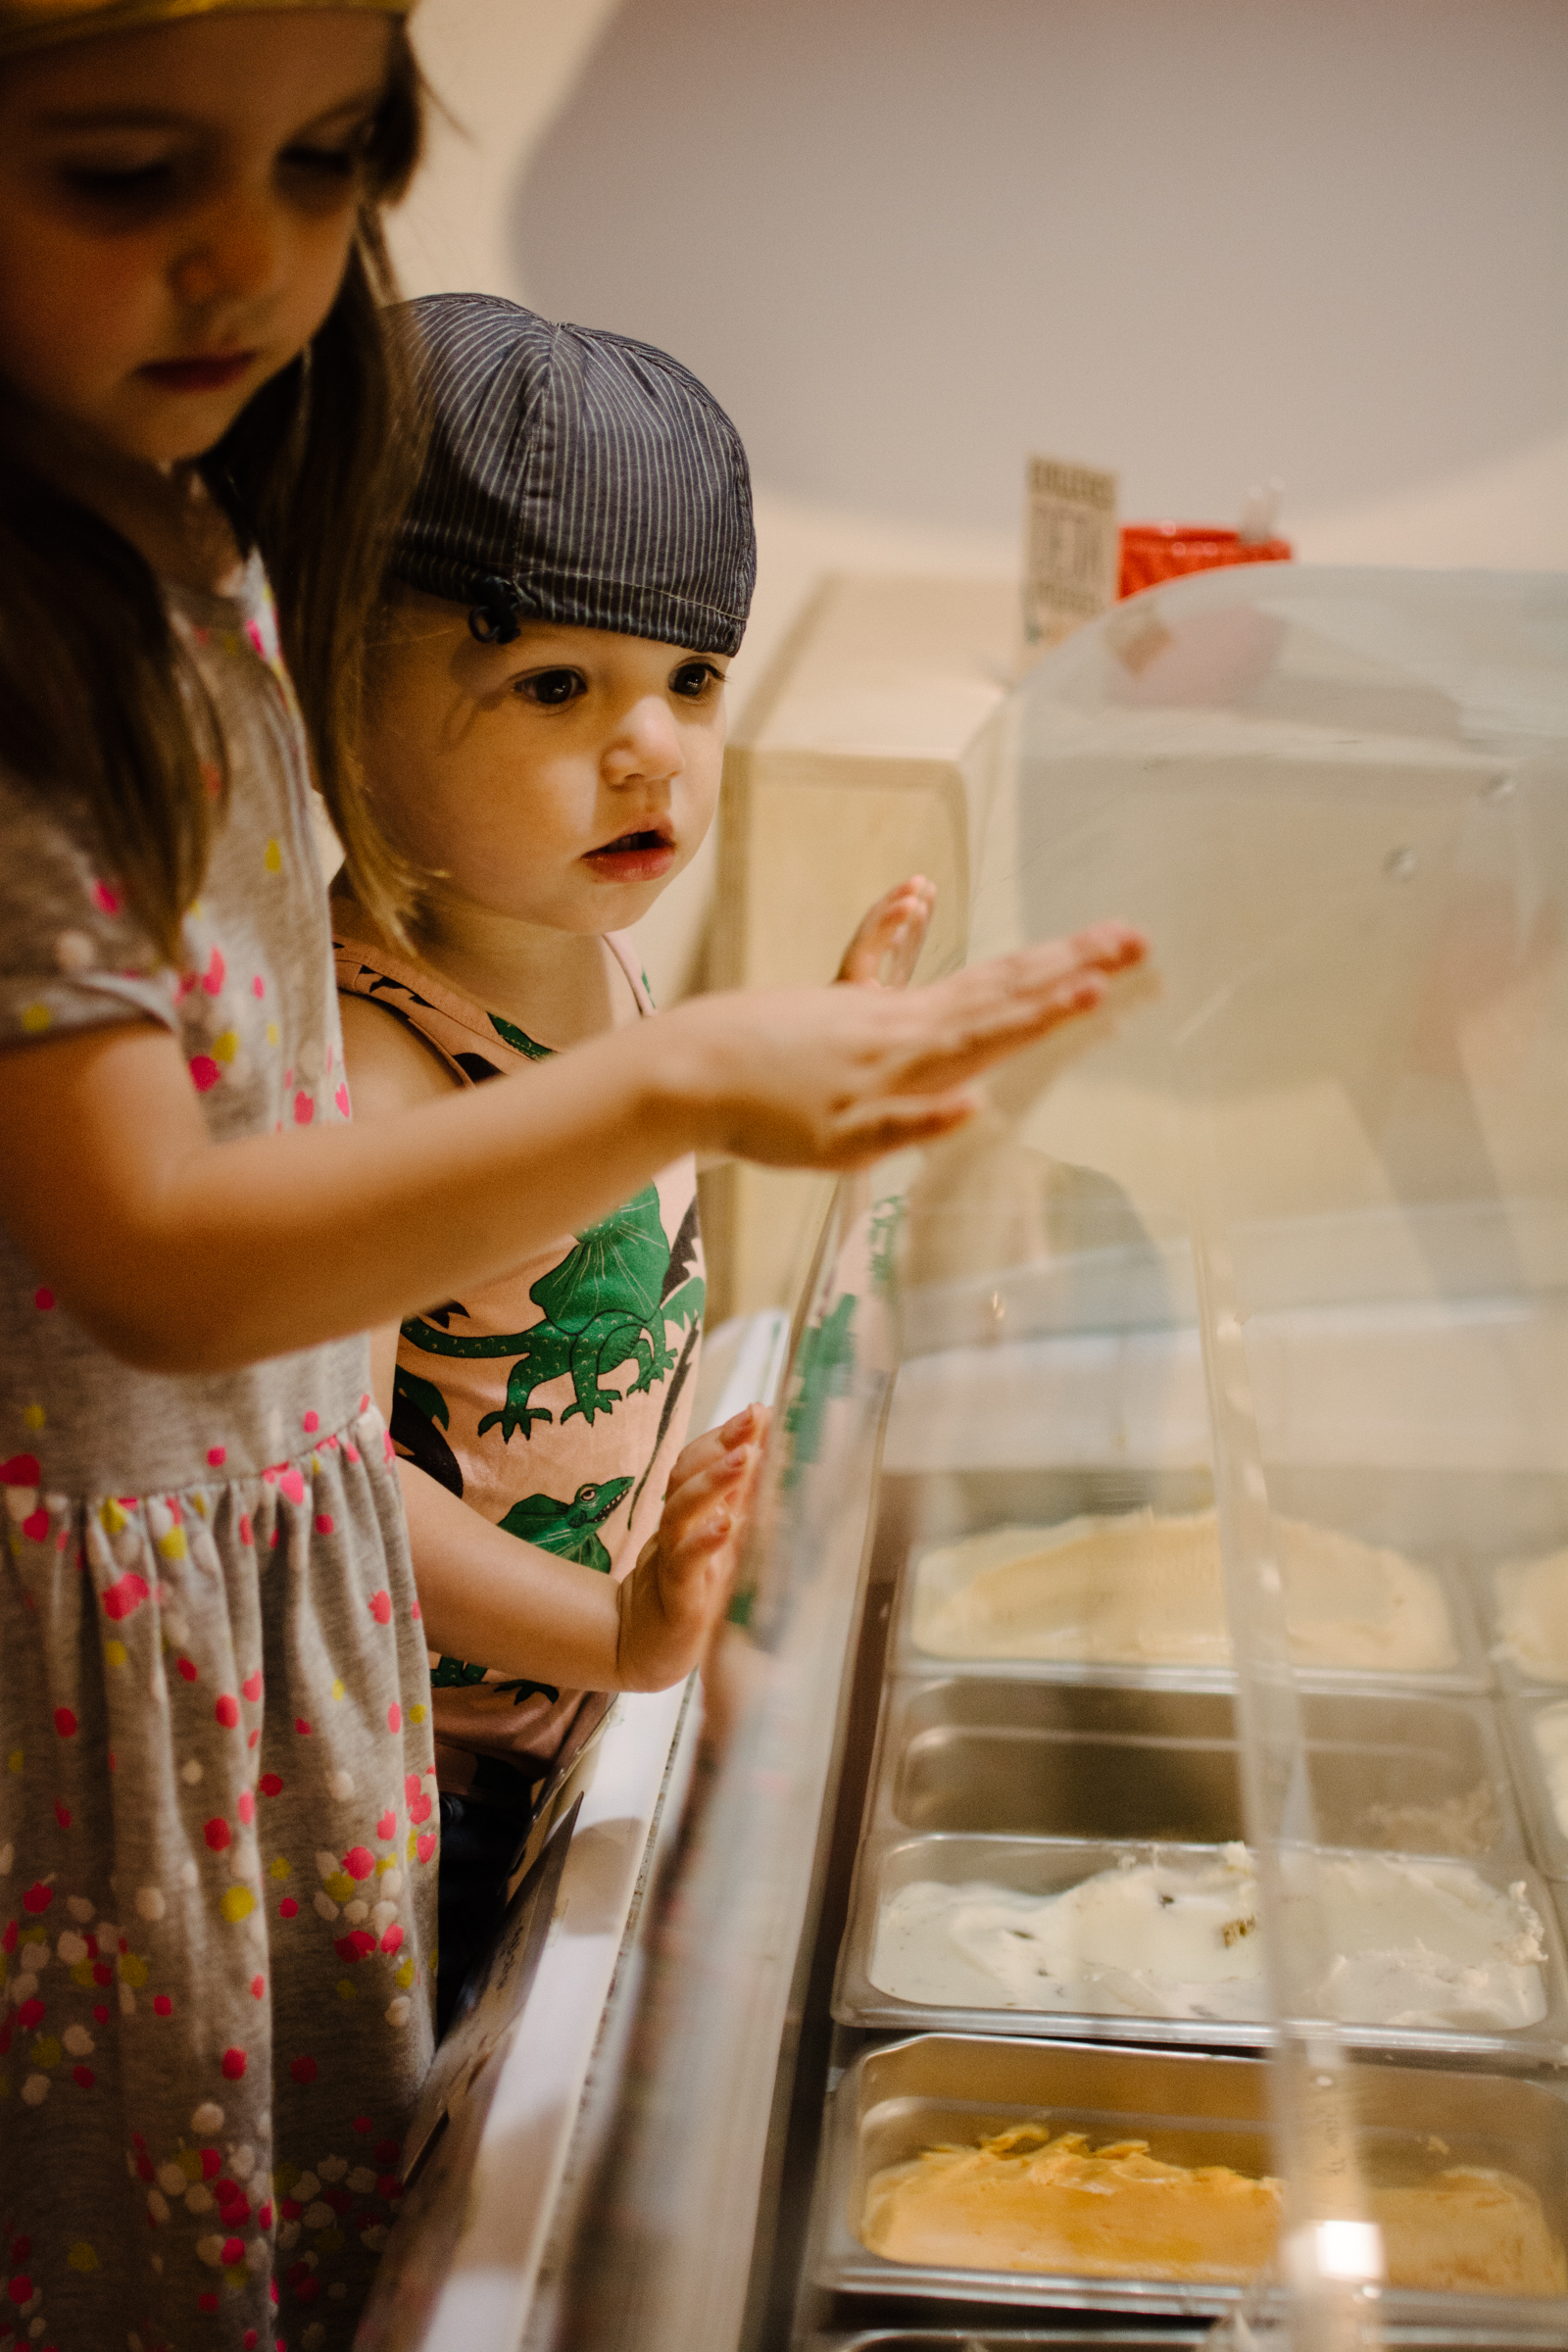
<point>907,241</point>
<point>1202,240</point>
<point>502,70</point>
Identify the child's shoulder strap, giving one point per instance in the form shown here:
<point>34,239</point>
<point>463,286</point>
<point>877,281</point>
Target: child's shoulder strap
<point>474,1044</point>
<point>620,944</point>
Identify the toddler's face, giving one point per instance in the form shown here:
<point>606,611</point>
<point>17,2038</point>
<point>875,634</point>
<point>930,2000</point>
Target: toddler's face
<point>178,206</point>
<point>563,779</point>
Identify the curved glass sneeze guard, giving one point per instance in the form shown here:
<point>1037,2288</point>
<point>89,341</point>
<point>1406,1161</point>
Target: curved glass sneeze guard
<point>1210,1389</point>
<point>663,2256</point>
<point>1376,1123</point>
<point>1299,1229</point>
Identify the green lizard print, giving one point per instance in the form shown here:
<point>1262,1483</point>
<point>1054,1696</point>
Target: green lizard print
<point>606,1303</point>
<point>564,1527</point>
<point>823,1364</point>
<point>518,1039</point>
<point>886,1219</point>
<point>567,1528</point>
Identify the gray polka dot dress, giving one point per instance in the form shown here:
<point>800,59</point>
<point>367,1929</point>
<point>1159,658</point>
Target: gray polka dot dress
<point>217,1828</point>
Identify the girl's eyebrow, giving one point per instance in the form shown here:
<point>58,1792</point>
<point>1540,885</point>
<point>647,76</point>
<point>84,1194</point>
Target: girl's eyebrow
<point>155,118</point>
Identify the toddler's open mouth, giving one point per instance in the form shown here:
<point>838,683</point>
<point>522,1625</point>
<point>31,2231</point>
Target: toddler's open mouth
<point>641,857</point>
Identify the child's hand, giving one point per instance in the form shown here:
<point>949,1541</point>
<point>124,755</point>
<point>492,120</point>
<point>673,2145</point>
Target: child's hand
<point>834,1078</point>
<point>892,933</point>
<point>675,1594</point>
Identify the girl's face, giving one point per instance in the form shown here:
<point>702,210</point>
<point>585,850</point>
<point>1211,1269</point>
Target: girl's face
<point>563,779</point>
<point>177,209</point>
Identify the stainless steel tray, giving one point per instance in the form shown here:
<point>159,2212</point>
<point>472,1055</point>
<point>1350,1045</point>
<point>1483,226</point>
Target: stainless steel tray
<point>1011,2339</point>
<point>1032,1866</point>
<point>1548,1841</point>
<point>897,2099</point>
<point>1470,1673</point>
<point>1120,1764</point>
<point>1041,1866</point>
<point>1164,2338</point>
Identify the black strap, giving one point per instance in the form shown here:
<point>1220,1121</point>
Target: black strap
<point>493,616</point>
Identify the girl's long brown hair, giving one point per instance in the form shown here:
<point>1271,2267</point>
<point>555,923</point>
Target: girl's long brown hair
<point>93,689</point>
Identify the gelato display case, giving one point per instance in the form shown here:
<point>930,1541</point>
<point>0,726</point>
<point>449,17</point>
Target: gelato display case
<point>1123,1898</point>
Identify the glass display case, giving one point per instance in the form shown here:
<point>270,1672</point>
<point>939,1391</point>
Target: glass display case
<point>1124,1899</point>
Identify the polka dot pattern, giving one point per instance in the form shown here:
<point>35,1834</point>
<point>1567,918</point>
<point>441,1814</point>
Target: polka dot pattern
<point>212,1689</point>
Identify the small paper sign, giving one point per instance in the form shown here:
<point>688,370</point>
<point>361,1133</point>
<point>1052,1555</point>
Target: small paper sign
<point>1071,548</point>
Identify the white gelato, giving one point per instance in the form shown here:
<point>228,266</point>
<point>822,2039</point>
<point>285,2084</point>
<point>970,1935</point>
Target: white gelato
<point>1549,1732</point>
<point>1428,1945</point>
<point>1148,1590</point>
<point>1533,1615</point>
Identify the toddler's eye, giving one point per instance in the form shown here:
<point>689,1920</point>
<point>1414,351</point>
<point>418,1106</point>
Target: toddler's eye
<point>552,688</point>
<point>693,679</point>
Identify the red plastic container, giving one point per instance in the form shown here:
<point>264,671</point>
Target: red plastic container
<point>1152,552</point>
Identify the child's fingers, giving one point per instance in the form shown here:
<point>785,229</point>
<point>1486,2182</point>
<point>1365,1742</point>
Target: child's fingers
<point>992,1010</point>
<point>670,1602</point>
<point>746,1428</point>
<point>892,934</point>
<point>901,950</point>
<point>982,1027</point>
<point>706,1515</point>
<point>874,1130</point>
<point>703,1536</point>
<point>718,1481</point>
<point>829,1078</point>
<point>697,1564</point>
<point>991,1013</point>
<point>1110,946</point>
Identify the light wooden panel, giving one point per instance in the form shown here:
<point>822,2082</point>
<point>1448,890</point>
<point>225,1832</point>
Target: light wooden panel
<point>845,774</point>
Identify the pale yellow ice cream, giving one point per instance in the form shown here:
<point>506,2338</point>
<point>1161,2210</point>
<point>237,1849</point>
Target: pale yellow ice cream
<point>1533,1614</point>
<point>1145,1588</point>
<point>1024,2201</point>
<point>1470,2230</point>
<point>1550,1734</point>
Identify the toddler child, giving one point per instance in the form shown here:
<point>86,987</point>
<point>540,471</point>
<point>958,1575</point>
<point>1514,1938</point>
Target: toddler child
<point>544,744</point>
<point>216,1832</point>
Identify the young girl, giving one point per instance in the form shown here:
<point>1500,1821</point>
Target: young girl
<point>216,1818</point>
<point>544,739</point>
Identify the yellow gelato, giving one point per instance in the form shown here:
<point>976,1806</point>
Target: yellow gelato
<point>1025,2201</point>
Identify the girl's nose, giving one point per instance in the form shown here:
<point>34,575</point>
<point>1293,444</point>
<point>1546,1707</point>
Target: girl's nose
<point>235,255</point>
<point>646,748</point>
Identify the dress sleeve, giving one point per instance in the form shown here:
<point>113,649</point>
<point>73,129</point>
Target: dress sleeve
<point>72,955</point>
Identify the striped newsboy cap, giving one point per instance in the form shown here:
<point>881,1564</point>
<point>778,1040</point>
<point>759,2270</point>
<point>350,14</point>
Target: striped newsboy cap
<point>573,477</point>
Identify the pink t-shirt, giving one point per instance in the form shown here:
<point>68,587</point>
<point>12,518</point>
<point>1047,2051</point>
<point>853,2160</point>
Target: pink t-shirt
<point>553,1400</point>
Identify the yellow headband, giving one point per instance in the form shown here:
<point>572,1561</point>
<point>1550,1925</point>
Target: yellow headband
<point>40,23</point>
